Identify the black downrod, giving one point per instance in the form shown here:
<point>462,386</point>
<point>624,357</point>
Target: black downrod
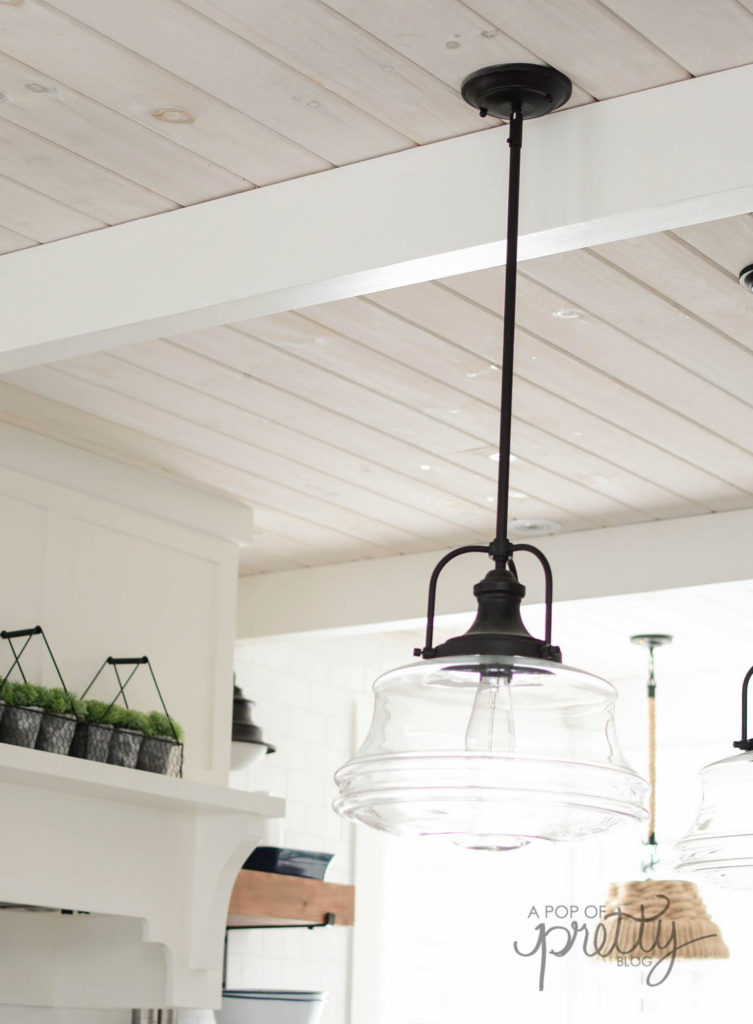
<point>501,544</point>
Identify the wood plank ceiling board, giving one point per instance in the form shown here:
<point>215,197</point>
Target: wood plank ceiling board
<point>605,292</point>
<point>445,37</point>
<point>133,86</point>
<point>279,483</point>
<point>83,126</point>
<point>245,78</point>
<point>242,444</point>
<point>326,424</point>
<point>585,40</point>
<point>35,215</point>
<point>325,544</point>
<point>470,375</point>
<point>349,62</point>
<point>727,242</point>
<point>701,37</point>
<point>598,391</point>
<point>12,241</point>
<point>684,276</point>
<point>68,178</point>
<point>412,387</point>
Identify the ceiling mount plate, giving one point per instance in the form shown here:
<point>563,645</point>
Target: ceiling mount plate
<point>651,640</point>
<point>499,89</point>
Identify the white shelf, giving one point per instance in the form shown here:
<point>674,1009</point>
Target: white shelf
<point>152,861</point>
<point>75,775</point>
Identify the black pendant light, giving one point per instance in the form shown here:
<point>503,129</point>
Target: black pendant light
<point>247,743</point>
<point>489,741</point>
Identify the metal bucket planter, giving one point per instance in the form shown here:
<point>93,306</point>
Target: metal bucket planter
<point>175,764</point>
<point>91,741</point>
<point>124,747</point>
<point>20,725</point>
<point>155,754</point>
<point>56,732</point>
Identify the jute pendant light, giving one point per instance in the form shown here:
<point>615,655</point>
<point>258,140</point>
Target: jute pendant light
<point>640,915</point>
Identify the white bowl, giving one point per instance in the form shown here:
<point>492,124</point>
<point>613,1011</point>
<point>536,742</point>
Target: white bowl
<point>267,1006</point>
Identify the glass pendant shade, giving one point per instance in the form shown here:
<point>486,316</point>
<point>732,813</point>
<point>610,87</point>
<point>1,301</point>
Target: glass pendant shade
<point>719,846</point>
<point>491,752</point>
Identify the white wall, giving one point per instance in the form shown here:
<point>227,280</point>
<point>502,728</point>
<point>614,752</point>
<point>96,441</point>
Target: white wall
<point>103,578</point>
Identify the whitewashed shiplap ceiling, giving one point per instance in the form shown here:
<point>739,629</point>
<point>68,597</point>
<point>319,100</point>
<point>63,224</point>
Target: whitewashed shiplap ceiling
<point>270,90</point>
<point>364,427</point>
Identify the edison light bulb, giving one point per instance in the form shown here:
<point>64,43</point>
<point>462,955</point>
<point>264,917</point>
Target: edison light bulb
<point>491,726</point>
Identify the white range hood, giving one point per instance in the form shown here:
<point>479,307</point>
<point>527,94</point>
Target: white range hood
<point>147,864</point>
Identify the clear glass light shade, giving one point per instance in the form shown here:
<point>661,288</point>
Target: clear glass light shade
<point>719,846</point>
<point>491,752</point>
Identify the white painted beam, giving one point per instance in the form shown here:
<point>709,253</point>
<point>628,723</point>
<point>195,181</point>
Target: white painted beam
<point>652,161</point>
<point>631,559</point>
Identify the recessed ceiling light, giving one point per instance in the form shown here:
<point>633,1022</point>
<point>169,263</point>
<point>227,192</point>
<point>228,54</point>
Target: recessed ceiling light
<point>40,87</point>
<point>471,375</point>
<point>568,314</point>
<point>173,115</point>
<point>494,456</point>
<point>314,104</point>
<point>493,366</point>
<point>425,467</point>
<point>745,277</point>
<point>386,67</point>
<point>452,44</point>
<point>534,527</point>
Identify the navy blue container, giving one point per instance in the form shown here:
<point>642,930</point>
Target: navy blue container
<point>277,861</point>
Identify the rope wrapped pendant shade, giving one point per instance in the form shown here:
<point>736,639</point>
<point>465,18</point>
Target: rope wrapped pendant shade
<point>671,903</point>
<point>639,916</point>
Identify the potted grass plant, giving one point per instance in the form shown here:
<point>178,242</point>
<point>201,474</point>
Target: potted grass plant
<point>58,726</point>
<point>162,745</point>
<point>94,734</point>
<point>22,716</point>
<point>130,727</point>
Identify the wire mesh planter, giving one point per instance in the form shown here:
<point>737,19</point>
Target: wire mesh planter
<point>92,741</point>
<point>26,724</point>
<point>131,748</point>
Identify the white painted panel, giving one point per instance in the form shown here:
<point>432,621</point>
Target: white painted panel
<point>104,579</point>
<point>23,527</point>
<point>131,596</point>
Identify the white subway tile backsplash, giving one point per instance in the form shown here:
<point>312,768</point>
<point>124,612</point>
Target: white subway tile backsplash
<point>306,689</point>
